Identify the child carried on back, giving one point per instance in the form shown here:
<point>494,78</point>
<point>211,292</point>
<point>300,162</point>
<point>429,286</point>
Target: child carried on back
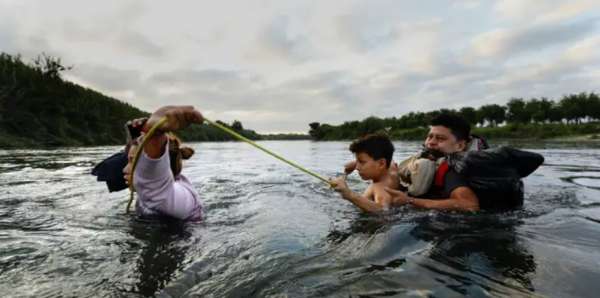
<point>373,160</point>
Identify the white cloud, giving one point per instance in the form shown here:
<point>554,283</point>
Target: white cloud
<point>505,42</point>
<point>542,11</point>
<point>279,65</point>
<point>107,78</point>
<point>286,38</point>
<point>585,51</point>
<point>467,4</point>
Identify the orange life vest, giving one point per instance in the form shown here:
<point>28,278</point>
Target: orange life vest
<point>440,174</point>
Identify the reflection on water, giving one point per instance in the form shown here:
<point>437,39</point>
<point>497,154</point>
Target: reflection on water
<point>272,231</point>
<point>161,256</point>
<point>485,248</point>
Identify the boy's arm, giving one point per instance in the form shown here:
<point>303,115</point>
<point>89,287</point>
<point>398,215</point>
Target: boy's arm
<point>360,201</point>
<point>350,167</point>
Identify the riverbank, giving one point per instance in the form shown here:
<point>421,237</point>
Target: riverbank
<point>40,109</point>
<point>542,131</point>
<point>549,131</point>
<point>559,133</point>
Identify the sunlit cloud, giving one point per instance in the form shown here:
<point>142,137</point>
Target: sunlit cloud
<point>279,65</point>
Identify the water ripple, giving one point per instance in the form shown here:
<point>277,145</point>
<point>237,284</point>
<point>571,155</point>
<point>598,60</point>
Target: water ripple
<point>273,231</point>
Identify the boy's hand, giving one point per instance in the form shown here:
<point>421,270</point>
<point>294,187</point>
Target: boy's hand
<point>339,184</point>
<point>349,167</point>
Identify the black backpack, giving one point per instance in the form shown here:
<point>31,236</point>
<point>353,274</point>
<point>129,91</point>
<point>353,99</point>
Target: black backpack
<point>495,174</point>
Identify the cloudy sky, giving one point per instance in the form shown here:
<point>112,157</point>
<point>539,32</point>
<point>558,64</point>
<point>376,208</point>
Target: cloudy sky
<point>279,65</point>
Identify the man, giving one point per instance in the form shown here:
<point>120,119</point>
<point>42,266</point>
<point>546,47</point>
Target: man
<point>162,190</point>
<point>448,134</point>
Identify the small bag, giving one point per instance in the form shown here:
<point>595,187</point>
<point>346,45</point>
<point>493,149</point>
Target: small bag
<point>416,174</point>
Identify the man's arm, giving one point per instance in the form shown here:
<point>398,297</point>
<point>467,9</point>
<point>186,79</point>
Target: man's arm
<point>156,146</point>
<point>461,199</point>
<point>178,117</point>
<point>361,201</point>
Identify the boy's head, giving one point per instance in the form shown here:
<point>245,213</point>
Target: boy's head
<point>448,133</point>
<point>373,155</point>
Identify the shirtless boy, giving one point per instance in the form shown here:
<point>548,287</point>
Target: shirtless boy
<point>373,158</point>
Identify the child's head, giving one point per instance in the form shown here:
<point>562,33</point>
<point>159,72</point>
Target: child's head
<point>177,153</point>
<point>373,155</point>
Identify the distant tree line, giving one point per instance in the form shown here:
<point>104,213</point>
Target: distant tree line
<point>39,108</point>
<point>206,132</point>
<point>570,109</point>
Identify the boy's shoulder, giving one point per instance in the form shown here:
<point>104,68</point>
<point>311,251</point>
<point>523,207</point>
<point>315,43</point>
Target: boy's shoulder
<point>377,190</point>
<point>378,186</point>
<point>390,182</point>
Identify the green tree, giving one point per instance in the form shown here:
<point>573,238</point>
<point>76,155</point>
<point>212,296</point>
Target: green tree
<point>573,107</point>
<point>555,114</point>
<point>237,125</point>
<point>469,114</point>
<point>315,130</point>
<point>49,66</point>
<point>539,109</point>
<point>371,125</point>
<point>494,114</point>
<point>592,106</point>
<point>516,111</point>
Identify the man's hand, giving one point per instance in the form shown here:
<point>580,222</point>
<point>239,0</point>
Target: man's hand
<point>399,198</point>
<point>349,167</point>
<point>179,117</point>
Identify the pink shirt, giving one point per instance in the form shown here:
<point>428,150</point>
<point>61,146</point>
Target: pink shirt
<point>159,193</point>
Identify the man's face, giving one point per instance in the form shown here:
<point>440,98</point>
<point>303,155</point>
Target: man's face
<point>440,138</point>
<point>127,168</point>
<point>367,167</point>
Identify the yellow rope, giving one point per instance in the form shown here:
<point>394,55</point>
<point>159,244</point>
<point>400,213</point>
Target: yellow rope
<point>236,135</point>
<point>291,163</point>
<point>136,157</point>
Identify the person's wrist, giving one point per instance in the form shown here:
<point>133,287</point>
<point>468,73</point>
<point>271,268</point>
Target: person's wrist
<point>410,200</point>
<point>344,192</point>
<point>347,194</point>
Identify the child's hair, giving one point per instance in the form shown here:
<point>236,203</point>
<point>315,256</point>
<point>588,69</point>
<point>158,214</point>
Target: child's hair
<point>177,153</point>
<point>377,146</point>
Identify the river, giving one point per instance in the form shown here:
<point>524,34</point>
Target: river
<point>271,230</point>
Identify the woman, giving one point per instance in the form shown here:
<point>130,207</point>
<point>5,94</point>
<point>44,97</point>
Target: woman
<point>162,189</point>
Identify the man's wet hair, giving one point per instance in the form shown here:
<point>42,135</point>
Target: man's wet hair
<point>459,127</point>
<point>377,146</point>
